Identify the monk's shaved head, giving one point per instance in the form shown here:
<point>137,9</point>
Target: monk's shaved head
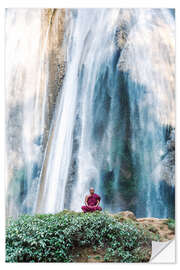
<point>91,190</point>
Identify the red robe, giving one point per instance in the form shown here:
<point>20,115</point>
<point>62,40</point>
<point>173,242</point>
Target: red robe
<point>92,201</point>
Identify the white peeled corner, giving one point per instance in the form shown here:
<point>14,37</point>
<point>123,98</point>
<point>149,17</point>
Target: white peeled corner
<point>163,252</point>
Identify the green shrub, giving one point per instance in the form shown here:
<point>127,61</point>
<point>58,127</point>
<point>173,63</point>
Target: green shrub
<point>171,224</point>
<point>52,238</point>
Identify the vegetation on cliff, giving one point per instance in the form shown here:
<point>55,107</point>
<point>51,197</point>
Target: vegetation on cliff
<point>66,236</point>
<point>171,224</point>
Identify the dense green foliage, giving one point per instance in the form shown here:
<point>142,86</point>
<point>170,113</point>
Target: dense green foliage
<point>53,238</point>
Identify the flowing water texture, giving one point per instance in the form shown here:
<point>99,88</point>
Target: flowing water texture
<point>26,105</point>
<point>112,116</point>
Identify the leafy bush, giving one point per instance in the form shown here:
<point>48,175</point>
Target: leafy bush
<point>52,238</point>
<point>171,224</point>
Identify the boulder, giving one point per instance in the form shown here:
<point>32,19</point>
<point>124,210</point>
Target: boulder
<point>125,215</point>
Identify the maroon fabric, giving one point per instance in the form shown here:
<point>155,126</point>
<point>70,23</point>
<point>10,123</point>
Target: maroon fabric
<point>92,201</point>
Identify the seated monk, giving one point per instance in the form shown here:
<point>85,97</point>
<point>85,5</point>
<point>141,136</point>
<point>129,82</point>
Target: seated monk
<point>91,202</point>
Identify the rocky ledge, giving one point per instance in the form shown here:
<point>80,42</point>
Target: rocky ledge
<point>164,227</point>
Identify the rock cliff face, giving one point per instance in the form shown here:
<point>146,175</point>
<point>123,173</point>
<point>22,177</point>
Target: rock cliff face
<point>168,159</point>
<point>53,27</point>
<point>127,18</point>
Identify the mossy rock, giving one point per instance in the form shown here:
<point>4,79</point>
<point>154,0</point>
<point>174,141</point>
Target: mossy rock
<point>171,224</point>
<point>152,229</point>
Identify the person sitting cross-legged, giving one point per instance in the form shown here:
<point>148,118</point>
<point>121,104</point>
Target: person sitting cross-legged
<point>92,202</point>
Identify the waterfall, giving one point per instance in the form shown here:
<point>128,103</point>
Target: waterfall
<point>26,103</point>
<point>149,70</point>
<point>94,111</point>
<point>86,65</point>
<point>112,114</point>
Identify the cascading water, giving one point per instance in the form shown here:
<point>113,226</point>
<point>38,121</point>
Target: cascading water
<point>95,107</point>
<point>112,114</point>
<point>149,56</point>
<point>26,99</point>
<point>88,68</point>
